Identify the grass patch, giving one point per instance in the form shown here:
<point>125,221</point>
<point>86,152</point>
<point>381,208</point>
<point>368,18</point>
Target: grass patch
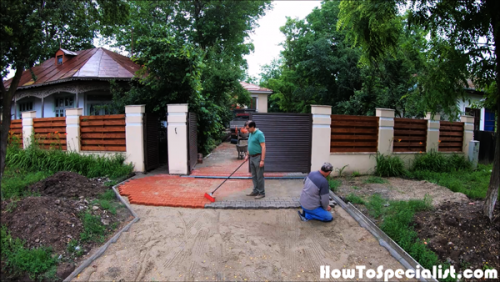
<point>436,162</point>
<point>334,184</point>
<point>474,184</point>
<point>355,187</point>
<point>375,179</point>
<point>355,199</point>
<point>93,229</point>
<point>388,166</point>
<point>38,263</point>
<point>15,181</point>
<point>356,174</point>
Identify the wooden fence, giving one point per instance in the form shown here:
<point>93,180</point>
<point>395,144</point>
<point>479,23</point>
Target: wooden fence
<point>16,131</point>
<point>50,132</point>
<point>451,136</point>
<point>354,133</point>
<point>103,133</point>
<point>410,135</point>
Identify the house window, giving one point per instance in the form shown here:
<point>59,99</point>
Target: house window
<point>489,120</point>
<point>253,103</point>
<point>63,103</point>
<point>98,109</point>
<point>25,107</point>
<point>59,60</point>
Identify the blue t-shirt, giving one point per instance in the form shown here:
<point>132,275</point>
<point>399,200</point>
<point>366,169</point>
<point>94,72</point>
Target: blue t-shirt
<point>254,141</point>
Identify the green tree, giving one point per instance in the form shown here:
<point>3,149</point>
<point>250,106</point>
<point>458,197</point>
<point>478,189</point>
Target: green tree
<point>216,30</point>
<point>465,36</point>
<point>31,32</point>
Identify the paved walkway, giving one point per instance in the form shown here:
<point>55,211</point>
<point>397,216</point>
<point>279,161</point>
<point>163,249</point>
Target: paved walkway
<point>160,189</point>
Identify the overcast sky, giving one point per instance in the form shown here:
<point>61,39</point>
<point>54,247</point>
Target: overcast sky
<point>267,37</point>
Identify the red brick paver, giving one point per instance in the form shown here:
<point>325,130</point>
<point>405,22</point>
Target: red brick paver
<point>176,191</point>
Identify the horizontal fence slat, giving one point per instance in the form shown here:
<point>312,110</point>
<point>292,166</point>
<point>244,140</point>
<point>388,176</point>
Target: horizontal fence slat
<point>104,148</point>
<point>103,129</point>
<point>106,117</point>
<point>103,122</point>
<point>49,119</point>
<point>102,135</point>
<point>409,144</point>
<point>451,128</point>
<point>410,132</point>
<point>47,147</point>
<point>353,137</point>
<point>364,131</point>
<point>410,126</point>
<point>353,144</point>
<point>457,139</point>
<point>50,130</point>
<point>352,150</point>
<point>354,123</point>
<point>409,149</point>
<point>450,149</point>
<point>409,120</point>
<point>409,138</point>
<point>450,144</point>
<point>450,133</point>
<point>103,142</point>
<point>49,124</point>
<point>352,118</point>
<point>54,141</point>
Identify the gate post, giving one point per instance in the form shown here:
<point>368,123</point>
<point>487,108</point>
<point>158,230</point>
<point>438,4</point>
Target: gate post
<point>433,125</point>
<point>321,135</point>
<point>134,136</point>
<point>73,139</point>
<point>468,133</point>
<point>385,130</point>
<point>177,138</point>
<point>27,129</point>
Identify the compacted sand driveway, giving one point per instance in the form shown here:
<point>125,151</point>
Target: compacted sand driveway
<point>170,244</point>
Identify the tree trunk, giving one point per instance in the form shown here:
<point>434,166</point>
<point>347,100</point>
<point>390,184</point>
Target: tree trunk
<point>7,108</point>
<point>492,194</point>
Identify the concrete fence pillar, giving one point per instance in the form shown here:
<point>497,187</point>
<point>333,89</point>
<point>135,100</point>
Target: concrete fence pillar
<point>73,139</point>
<point>321,135</point>
<point>28,129</point>
<point>177,138</point>
<point>134,136</point>
<point>468,133</point>
<point>385,130</point>
<point>432,132</point>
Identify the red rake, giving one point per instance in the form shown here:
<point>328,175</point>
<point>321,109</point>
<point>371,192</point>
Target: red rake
<point>210,196</point>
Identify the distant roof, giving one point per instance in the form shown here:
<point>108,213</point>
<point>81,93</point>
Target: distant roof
<point>97,63</point>
<point>255,88</point>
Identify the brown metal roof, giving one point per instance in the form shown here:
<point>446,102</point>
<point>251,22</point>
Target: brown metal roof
<point>97,63</point>
<point>252,87</point>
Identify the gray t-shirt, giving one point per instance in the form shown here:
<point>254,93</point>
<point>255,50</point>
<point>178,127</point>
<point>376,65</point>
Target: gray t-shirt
<point>316,192</point>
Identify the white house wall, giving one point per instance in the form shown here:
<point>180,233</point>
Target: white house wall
<point>472,99</point>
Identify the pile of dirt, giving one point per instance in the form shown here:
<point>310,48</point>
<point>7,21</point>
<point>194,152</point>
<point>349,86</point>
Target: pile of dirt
<point>460,234</point>
<point>69,185</point>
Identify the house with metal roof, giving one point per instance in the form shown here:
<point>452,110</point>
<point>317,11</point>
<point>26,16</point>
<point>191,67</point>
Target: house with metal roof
<point>71,80</point>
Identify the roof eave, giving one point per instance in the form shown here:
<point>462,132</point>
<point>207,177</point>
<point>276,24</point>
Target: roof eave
<point>71,79</point>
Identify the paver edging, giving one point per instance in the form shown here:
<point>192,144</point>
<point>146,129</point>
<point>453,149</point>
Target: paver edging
<point>103,248</point>
<point>384,240</point>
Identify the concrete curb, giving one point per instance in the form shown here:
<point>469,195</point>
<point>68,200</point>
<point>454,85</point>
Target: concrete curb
<point>103,248</point>
<point>244,177</point>
<point>385,241</point>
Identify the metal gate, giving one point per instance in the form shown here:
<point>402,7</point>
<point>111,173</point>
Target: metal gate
<point>151,141</point>
<point>288,141</point>
<point>192,141</point>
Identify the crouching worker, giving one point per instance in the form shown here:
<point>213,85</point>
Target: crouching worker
<point>314,199</point>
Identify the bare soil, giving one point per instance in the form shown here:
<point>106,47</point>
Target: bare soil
<point>461,235</point>
<point>399,189</point>
<point>55,218</point>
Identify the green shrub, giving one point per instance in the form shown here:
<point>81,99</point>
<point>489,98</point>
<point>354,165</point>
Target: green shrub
<point>93,229</point>
<point>334,184</point>
<point>437,162</point>
<point>18,259</point>
<point>108,195</point>
<point>375,179</point>
<point>375,205</point>
<point>355,199</point>
<point>14,182</point>
<point>35,159</point>
<point>356,174</point>
<point>388,166</point>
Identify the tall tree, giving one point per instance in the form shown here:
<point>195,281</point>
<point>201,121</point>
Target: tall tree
<point>32,30</point>
<point>466,35</point>
<point>217,30</point>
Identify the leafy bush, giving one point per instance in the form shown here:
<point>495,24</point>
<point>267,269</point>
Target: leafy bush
<point>18,259</point>
<point>388,166</point>
<point>436,162</point>
<point>355,199</point>
<point>334,184</point>
<point>36,159</point>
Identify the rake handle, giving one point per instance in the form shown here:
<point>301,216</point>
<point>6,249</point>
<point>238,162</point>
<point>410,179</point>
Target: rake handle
<point>229,177</point>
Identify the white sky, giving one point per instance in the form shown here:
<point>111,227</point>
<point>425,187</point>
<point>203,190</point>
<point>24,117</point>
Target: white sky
<point>267,37</point>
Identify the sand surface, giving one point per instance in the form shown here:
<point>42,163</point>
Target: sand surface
<point>176,244</point>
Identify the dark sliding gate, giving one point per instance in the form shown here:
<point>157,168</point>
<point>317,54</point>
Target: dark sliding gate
<point>151,141</point>
<point>192,141</point>
<point>288,141</point>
